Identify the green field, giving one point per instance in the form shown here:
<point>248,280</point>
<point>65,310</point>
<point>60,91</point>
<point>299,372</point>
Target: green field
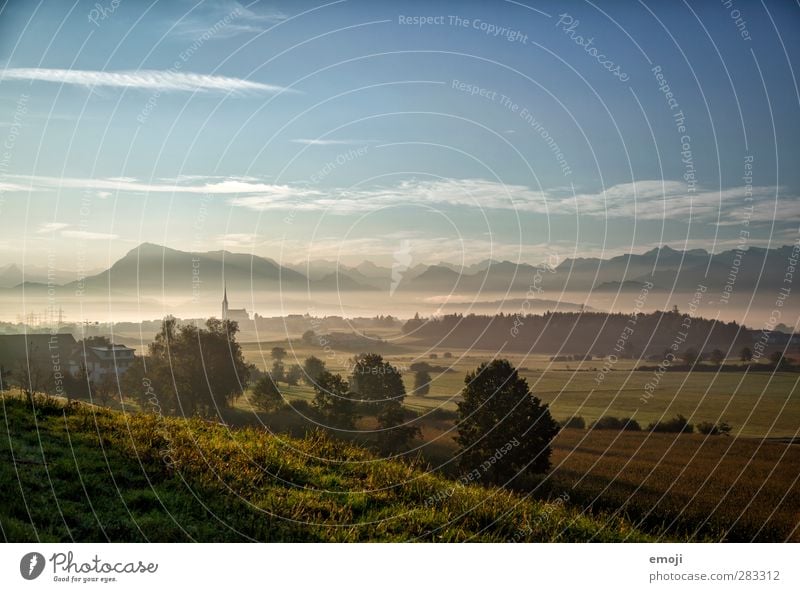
<point>756,404</point>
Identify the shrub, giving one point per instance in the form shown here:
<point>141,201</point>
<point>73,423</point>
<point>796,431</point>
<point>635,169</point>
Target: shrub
<point>441,414</point>
<point>677,425</point>
<point>575,422</point>
<point>708,428</point>
<point>266,395</point>
<point>422,383</point>
<point>608,422</point>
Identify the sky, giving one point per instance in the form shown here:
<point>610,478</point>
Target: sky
<point>351,131</point>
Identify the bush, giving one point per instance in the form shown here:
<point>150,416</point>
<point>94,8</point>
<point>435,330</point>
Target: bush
<point>422,383</point>
<point>266,395</point>
<point>293,375</point>
<point>441,414</point>
<point>447,355</point>
<point>677,425</point>
<point>608,422</point>
<point>575,422</point>
<point>303,407</point>
<point>420,367</point>
<point>714,429</point>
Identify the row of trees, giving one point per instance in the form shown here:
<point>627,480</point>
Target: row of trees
<point>497,409</point>
<point>676,425</point>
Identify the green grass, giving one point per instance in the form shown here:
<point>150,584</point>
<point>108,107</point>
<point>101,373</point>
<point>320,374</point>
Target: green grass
<point>757,404</point>
<point>81,473</point>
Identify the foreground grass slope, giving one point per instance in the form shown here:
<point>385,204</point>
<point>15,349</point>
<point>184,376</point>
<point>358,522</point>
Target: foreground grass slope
<point>81,473</point>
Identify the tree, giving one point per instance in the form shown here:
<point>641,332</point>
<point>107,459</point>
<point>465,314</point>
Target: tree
<point>293,375</point>
<point>576,422</point>
<point>266,395</point>
<point>608,422</point>
<point>746,355</point>
<point>278,373</point>
<point>422,382</point>
<point>714,429</point>
<point>32,377</point>
<point>278,353</point>
<point>396,433</point>
<point>677,425</point>
<point>376,381</point>
<point>94,341</point>
<point>690,356</point>
<point>4,376</point>
<point>104,388</point>
<point>308,337</point>
<point>717,357</point>
<point>778,360</point>
<point>334,400</point>
<point>380,388</point>
<point>197,370</point>
<point>500,416</point>
<point>313,368</point>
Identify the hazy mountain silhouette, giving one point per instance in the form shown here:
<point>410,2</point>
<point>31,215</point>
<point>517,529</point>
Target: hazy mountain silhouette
<point>151,269</point>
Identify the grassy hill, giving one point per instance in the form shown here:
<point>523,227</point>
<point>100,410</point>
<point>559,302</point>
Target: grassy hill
<point>76,472</point>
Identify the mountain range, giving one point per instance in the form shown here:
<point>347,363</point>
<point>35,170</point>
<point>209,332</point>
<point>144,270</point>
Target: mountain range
<point>151,270</point>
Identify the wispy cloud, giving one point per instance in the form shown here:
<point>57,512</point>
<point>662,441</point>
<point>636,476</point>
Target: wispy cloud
<point>12,187</point>
<point>642,200</point>
<point>319,142</point>
<point>238,240</point>
<point>226,19</point>
<point>86,235</point>
<point>161,80</point>
<point>51,227</point>
<point>199,185</point>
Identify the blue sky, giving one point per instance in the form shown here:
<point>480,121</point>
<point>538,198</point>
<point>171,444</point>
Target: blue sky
<point>342,131</point>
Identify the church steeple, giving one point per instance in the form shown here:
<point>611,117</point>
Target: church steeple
<point>225,302</point>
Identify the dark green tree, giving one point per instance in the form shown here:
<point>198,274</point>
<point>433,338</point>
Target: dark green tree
<point>278,372</point>
<point>278,353</point>
<point>197,370</point>
<point>504,430</point>
<point>746,355</point>
<point>690,356</point>
<point>779,360</point>
<point>422,382</point>
<point>334,401</point>
<point>376,381</point>
<point>379,386</point>
<point>717,357</point>
<point>313,368</point>
<point>293,375</point>
<point>266,396</point>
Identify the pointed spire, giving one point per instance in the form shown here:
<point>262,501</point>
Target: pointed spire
<point>225,301</point>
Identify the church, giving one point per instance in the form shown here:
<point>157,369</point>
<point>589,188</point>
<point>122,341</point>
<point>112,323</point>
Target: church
<point>232,314</point>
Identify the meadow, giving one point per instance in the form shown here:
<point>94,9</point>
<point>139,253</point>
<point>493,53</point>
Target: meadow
<point>78,472</point>
<point>740,487</point>
<point>756,404</point>
<point>84,473</point>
